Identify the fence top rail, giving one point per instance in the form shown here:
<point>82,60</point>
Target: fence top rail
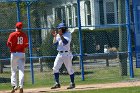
<point>87,56</point>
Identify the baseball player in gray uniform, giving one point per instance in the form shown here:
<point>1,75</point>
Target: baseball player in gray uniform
<point>62,40</point>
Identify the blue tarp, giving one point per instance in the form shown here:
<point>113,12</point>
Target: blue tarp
<point>137,30</point>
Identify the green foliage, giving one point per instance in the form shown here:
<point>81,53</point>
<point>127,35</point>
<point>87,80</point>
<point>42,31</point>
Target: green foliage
<point>75,47</point>
<point>91,38</point>
<point>11,5</point>
<point>97,30</point>
<point>47,46</point>
<point>48,49</point>
<point>57,21</point>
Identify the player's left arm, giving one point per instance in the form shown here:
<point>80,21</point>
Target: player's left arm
<point>9,41</point>
<point>64,40</point>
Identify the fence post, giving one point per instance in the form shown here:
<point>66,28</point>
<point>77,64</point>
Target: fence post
<point>1,67</point>
<point>129,44</point>
<point>18,10</point>
<point>80,39</point>
<point>106,51</point>
<point>30,40</point>
<point>41,65</point>
<point>107,62</point>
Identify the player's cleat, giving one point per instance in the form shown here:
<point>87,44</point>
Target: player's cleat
<point>14,89</point>
<point>56,86</point>
<point>21,90</point>
<point>71,86</point>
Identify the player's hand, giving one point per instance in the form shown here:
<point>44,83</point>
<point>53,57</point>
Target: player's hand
<point>9,44</point>
<point>54,33</point>
<point>60,32</point>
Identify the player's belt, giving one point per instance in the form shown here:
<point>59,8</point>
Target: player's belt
<point>17,52</point>
<point>62,51</point>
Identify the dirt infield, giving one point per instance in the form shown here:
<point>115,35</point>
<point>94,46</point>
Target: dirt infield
<point>80,87</point>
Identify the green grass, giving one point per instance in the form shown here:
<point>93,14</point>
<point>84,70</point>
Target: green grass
<point>93,75</point>
<point>113,90</point>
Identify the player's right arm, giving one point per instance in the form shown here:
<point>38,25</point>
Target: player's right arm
<point>26,41</point>
<point>55,42</point>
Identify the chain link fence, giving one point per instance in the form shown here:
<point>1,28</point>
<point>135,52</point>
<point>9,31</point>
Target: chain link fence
<point>104,38</point>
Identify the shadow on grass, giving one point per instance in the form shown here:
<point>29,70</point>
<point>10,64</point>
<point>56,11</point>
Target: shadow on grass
<point>86,88</point>
<point>78,73</point>
<point>43,91</point>
<point>5,80</point>
<point>85,72</point>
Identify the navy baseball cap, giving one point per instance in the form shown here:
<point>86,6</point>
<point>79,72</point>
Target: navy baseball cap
<point>61,25</point>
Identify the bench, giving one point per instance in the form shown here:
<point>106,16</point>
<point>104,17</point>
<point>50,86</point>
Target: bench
<point>106,56</point>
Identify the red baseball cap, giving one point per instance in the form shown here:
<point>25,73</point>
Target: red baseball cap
<point>19,25</point>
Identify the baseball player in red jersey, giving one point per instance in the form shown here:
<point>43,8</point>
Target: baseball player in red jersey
<point>17,42</point>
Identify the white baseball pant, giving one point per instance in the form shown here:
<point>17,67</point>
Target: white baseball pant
<point>65,58</point>
<point>17,63</point>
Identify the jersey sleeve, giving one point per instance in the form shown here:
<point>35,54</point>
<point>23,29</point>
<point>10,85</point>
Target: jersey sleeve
<point>68,36</point>
<point>9,41</point>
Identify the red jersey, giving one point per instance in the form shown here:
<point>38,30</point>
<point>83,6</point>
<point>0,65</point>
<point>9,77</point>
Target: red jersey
<point>17,41</point>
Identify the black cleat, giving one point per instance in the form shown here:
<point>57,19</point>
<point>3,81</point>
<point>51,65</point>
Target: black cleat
<point>56,86</point>
<point>21,90</point>
<point>14,89</point>
<point>71,86</point>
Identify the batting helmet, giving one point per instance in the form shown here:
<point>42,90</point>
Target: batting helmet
<point>19,25</point>
<point>61,25</point>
